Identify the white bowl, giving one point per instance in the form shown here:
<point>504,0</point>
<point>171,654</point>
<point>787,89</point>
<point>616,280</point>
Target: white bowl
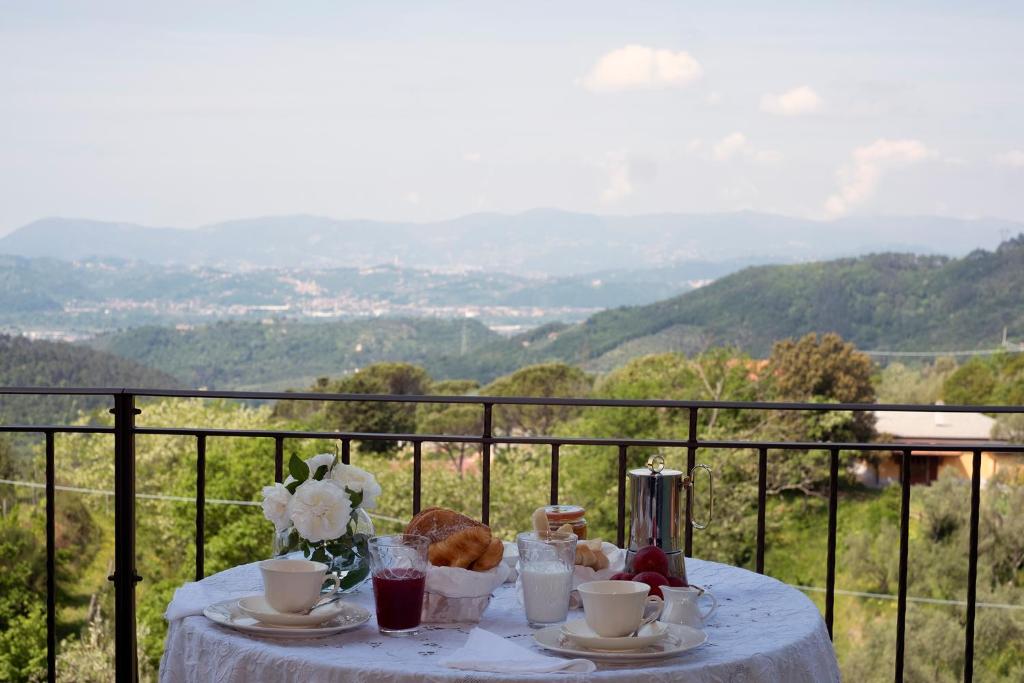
<point>583,635</point>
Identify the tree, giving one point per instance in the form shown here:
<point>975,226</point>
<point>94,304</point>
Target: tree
<point>400,379</point>
<point>452,418</point>
<point>547,380</point>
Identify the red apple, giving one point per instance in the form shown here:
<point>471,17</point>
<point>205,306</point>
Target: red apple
<point>621,576</point>
<point>676,582</point>
<point>651,558</point>
<point>653,579</point>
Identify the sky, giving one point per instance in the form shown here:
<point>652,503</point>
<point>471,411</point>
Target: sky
<point>189,113</point>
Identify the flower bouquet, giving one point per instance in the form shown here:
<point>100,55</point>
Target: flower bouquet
<point>320,509</point>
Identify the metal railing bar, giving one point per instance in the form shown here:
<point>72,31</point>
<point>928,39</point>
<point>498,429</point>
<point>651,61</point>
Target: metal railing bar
<point>830,562</point>
<point>762,502</point>
<point>620,514</point>
<point>910,598</point>
<point>517,400</point>
<point>691,461</point>
<point>554,474</point>
<point>993,447</point>
<point>485,464</point>
<point>125,575</point>
<point>200,507</point>
<point>417,484</point>
<point>279,458</point>
<point>901,604</point>
<point>972,566</point>
<point>51,563</point>
<point>346,451</point>
<point>56,429</point>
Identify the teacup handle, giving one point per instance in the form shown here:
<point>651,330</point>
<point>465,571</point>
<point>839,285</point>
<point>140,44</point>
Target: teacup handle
<point>333,576</point>
<point>653,616</point>
<point>714,605</point>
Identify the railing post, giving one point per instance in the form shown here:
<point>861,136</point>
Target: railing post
<point>485,465</point>
<point>51,565</point>
<point>972,566</point>
<point>901,603</point>
<point>691,462</point>
<point>830,562</point>
<point>124,576</point>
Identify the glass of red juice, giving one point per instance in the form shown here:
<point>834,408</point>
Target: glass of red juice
<point>398,565</point>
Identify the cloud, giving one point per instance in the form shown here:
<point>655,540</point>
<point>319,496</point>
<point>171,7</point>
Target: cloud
<point>729,146</point>
<point>859,179</point>
<point>1014,158</point>
<point>413,197</point>
<point>736,145</point>
<point>472,157</point>
<point>636,67</point>
<point>795,102</point>
<point>625,171</point>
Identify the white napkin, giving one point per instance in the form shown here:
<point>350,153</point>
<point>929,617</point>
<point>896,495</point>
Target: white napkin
<point>192,598</point>
<point>455,582</point>
<point>485,651</point>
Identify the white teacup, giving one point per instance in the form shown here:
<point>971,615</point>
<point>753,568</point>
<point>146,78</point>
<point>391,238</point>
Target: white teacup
<point>614,609</point>
<point>294,585</point>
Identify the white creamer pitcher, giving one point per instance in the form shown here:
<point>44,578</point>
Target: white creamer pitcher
<point>681,606</point>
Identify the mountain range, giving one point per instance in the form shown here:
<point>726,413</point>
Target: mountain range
<point>537,242</point>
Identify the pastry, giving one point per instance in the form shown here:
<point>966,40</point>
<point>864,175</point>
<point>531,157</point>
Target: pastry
<point>491,557</point>
<point>461,548</point>
<point>437,524</point>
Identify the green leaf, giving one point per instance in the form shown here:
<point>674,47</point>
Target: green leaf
<point>298,469</point>
<point>320,554</point>
<point>292,486</point>
<point>356,497</point>
<point>320,472</point>
<point>355,577</point>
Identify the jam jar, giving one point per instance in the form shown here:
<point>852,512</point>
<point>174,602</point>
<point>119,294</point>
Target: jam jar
<point>573,515</point>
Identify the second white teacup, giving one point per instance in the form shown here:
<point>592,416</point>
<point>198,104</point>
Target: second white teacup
<point>614,609</point>
<point>294,585</point>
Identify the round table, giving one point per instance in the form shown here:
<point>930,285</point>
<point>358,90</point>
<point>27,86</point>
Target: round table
<point>762,631</point>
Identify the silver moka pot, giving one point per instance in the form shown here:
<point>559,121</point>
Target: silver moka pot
<point>658,501</point>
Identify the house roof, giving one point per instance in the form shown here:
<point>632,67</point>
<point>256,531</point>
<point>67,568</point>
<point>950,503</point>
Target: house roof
<point>972,426</point>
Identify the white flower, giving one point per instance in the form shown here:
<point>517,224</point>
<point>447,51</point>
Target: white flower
<point>275,505</point>
<point>356,479</point>
<point>319,510</point>
<point>314,464</point>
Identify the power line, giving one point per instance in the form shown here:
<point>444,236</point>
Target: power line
<point>156,496</point>
<point>937,354</point>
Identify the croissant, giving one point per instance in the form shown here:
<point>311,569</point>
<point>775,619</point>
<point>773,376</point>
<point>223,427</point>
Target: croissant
<point>491,557</point>
<point>460,549</point>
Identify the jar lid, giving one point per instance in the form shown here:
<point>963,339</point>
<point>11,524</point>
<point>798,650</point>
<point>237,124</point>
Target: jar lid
<point>564,513</point>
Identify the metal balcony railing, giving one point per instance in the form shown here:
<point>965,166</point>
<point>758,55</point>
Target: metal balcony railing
<point>125,430</point>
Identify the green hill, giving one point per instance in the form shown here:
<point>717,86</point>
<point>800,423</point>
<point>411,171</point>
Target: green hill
<point>285,353</point>
<point>881,301</point>
<point>56,364</point>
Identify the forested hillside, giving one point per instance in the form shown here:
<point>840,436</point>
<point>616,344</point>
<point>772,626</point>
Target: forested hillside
<point>285,353</point>
<point>881,301</point>
<point>56,364</point>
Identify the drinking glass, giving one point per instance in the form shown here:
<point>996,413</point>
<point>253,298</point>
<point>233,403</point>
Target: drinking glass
<point>398,565</point>
<point>546,562</point>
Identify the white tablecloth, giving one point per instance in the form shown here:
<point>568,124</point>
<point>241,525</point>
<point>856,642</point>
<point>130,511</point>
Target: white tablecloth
<point>763,631</point>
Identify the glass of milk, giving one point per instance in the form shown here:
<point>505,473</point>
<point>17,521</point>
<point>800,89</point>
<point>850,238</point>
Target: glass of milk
<point>546,562</point>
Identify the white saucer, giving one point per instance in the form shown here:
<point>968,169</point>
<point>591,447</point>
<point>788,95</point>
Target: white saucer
<point>679,639</point>
<point>580,633</point>
<point>226,613</point>
<point>257,607</point>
